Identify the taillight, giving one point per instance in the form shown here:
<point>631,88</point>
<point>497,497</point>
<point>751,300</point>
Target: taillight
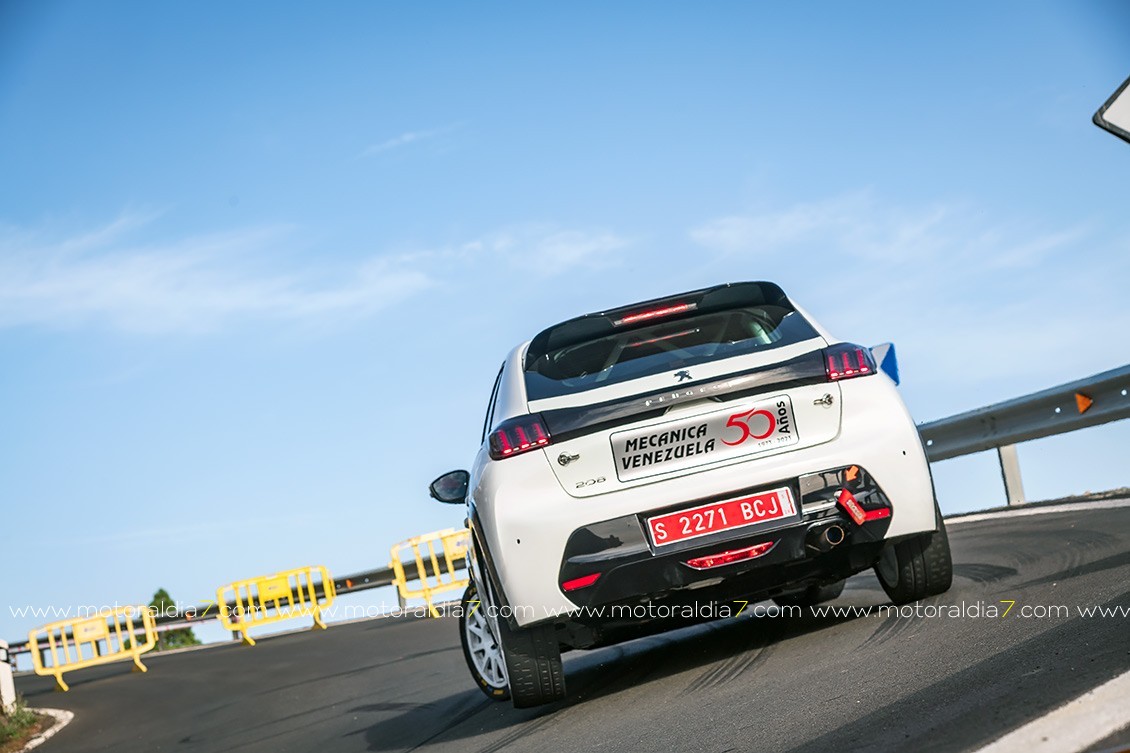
<point>517,435</point>
<point>845,361</point>
<point>659,313</point>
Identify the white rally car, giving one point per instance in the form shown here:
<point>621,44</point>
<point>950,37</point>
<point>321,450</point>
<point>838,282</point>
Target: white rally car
<point>655,461</point>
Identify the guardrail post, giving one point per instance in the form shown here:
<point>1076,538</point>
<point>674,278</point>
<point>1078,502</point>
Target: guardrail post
<point>7,686</point>
<point>1010,472</point>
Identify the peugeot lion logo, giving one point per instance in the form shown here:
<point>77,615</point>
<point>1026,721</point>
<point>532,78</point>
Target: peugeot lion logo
<point>683,376</point>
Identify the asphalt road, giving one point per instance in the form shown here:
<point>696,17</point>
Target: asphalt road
<point>923,683</point>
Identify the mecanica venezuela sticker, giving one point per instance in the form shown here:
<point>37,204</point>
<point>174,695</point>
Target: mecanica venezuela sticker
<point>747,429</point>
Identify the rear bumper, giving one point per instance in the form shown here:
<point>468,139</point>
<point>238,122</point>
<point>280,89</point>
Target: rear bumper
<point>632,617</point>
<point>628,567</point>
<point>526,520</point>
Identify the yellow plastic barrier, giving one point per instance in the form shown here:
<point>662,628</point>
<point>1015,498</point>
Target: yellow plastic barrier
<point>272,598</point>
<point>87,641</point>
<point>435,570</point>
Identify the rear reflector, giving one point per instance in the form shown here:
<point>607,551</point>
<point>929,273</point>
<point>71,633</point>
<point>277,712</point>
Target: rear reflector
<point>734,555</point>
<point>644,316</point>
<point>845,361</point>
<point>518,435</point>
<point>583,582</point>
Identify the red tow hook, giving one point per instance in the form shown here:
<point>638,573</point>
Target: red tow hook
<point>852,507</point>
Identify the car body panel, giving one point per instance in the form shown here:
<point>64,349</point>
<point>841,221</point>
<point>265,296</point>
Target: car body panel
<point>526,517</point>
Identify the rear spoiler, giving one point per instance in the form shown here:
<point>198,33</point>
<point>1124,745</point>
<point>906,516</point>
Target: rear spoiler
<point>593,326</point>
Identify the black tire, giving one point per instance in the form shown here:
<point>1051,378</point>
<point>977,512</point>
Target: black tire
<point>917,567</point>
<point>533,664</point>
<point>811,596</point>
<point>474,634</point>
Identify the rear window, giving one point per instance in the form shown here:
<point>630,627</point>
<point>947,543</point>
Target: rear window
<point>664,346</point>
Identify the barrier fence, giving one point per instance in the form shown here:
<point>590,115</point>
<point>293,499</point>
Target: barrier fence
<point>421,567</point>
<point>67,645</point>
<point>435,569</point>
<point>300,592</point>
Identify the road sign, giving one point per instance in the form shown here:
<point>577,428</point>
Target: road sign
<point>1114,116</point>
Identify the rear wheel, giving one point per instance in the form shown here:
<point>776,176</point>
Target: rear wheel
<point>916,567</point>
<point>533,664</point>
<point>481,648</point>
<point>811,596</point>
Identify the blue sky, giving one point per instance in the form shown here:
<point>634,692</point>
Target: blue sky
<point>259,263</point>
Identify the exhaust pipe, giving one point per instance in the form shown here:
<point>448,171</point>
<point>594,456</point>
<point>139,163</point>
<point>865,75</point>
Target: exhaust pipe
<point>826,538</point>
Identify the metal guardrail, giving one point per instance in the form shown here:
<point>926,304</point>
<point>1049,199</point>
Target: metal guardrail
<point>1042,414</point>
<point>1092,401</point>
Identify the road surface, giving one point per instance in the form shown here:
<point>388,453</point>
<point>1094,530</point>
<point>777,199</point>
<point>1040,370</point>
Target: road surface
<point>919,681</point>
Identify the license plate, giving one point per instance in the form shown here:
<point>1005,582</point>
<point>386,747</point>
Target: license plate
<point>746,429</point>
<point>721,516</point>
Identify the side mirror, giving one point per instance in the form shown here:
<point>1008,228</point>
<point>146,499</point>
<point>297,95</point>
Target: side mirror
<point>451,487</point>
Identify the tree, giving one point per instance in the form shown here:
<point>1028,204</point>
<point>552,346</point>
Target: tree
<point>163,604</point>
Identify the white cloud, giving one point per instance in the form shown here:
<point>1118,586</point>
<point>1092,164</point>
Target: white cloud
<point>859,226</point>
<point>406,138</point>
<point>969,297</point>
<point>859,232</point>
<point>193,284</point>
<point>548,251</point>
<point>854,223</point>
<point>98,277</point>
<point>532,249</point>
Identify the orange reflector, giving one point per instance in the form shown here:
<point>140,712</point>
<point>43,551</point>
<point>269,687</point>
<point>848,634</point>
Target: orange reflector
<point>348,583</point>
<point>1082,402</point>
<point>734,555</point>
<point>583,582</point>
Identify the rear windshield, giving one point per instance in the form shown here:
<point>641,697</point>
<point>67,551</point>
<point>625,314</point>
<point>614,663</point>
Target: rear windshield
<point>662,347</point>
